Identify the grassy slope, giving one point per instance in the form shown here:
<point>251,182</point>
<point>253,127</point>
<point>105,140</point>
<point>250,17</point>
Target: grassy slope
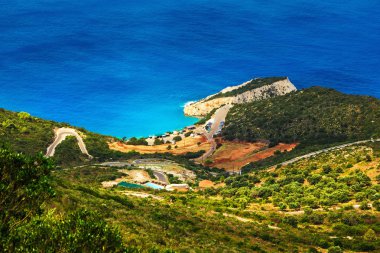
<point>317,195</point>
<point>183,222</point>
<point>236,218</point>
<point>30,135</point>
<point>330,179</point>
<point>198,221</point>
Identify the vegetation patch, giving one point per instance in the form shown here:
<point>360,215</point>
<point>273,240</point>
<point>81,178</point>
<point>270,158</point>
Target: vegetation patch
<point>253,84</point>
<point>311,116</point>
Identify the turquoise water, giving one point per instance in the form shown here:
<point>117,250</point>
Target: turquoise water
<point>126,68</point>
<point>154,186</point>
<point>130,185</point>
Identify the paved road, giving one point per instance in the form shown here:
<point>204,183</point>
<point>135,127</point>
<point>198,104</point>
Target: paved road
<point>161,177</point>
<point>60,135</point>
<point>116,164</point>
<point>152,161</point>
<point>219,116</point>
<point>325,150</point>
<point>142,195</point>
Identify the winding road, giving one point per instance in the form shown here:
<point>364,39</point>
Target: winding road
<point>60,135</point>
<point>161,176</point>
<point>219,116</point>
<point>325,150</point>
<point>116,164</point>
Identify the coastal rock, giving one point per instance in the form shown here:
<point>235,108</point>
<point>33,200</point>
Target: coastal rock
<point>226,96</point>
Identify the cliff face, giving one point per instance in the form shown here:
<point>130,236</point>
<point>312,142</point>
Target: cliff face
<point>206,105</point>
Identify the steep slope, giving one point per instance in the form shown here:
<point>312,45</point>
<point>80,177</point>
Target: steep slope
<point>311,116</point>
<point>255,89</point>
<point>278,210</point>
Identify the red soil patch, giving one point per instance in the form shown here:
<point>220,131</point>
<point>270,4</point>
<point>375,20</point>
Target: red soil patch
<point>233,156</point>
<point>189,144</point>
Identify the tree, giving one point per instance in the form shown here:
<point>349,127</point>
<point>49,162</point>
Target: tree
<point>135,141</point>
<point>81,231</point>
<point>24,115</point>
<point>282,206</point>
<point>177,138</point>
<point>169,147</point>
<point>314,179</point>
<point>24,186</point>
<point>370,235</point>
<point>158,141</point>
<point>290,220</point>
<point>376,205</point>
<point>335,249</point>
<point>208,162</point>
<point>364,206</point>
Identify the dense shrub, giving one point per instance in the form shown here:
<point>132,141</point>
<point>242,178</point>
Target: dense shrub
<point>314,115</point>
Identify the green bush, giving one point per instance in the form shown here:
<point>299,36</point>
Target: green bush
<point>24,187</point>
<point>177,138</point>
<point>81,231</point>
<point>135,141</point>
<point>335,249</point>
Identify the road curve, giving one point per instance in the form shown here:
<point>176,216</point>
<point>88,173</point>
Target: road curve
<point>219,116</point>
<point>161,177</point>
<point>60,135</point>
<point>325,150</point>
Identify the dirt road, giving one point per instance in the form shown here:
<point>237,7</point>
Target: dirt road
<point>326,150</point>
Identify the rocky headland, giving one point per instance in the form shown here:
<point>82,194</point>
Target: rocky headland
<point>255,89</point>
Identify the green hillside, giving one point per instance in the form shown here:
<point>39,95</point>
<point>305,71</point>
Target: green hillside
<point>24,133</point>
<point>327,202</point>
<point>311,116</point>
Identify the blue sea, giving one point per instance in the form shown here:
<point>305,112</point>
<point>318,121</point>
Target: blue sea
<point>126,68</point>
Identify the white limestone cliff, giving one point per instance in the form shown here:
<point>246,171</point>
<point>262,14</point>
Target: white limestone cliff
<point>204,106</point>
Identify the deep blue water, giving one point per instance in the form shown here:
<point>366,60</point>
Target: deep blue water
<point>125,68</point>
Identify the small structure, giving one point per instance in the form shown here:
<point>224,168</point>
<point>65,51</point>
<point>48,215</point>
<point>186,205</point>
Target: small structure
<point>178,187</point>
<point>192,127</point>
<point>109,184</point>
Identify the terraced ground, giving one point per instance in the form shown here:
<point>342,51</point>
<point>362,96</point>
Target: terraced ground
<point>327,201</point>
<point>232,156</point>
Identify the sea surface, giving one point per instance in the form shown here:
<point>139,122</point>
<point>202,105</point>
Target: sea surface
<point>126,68</point>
